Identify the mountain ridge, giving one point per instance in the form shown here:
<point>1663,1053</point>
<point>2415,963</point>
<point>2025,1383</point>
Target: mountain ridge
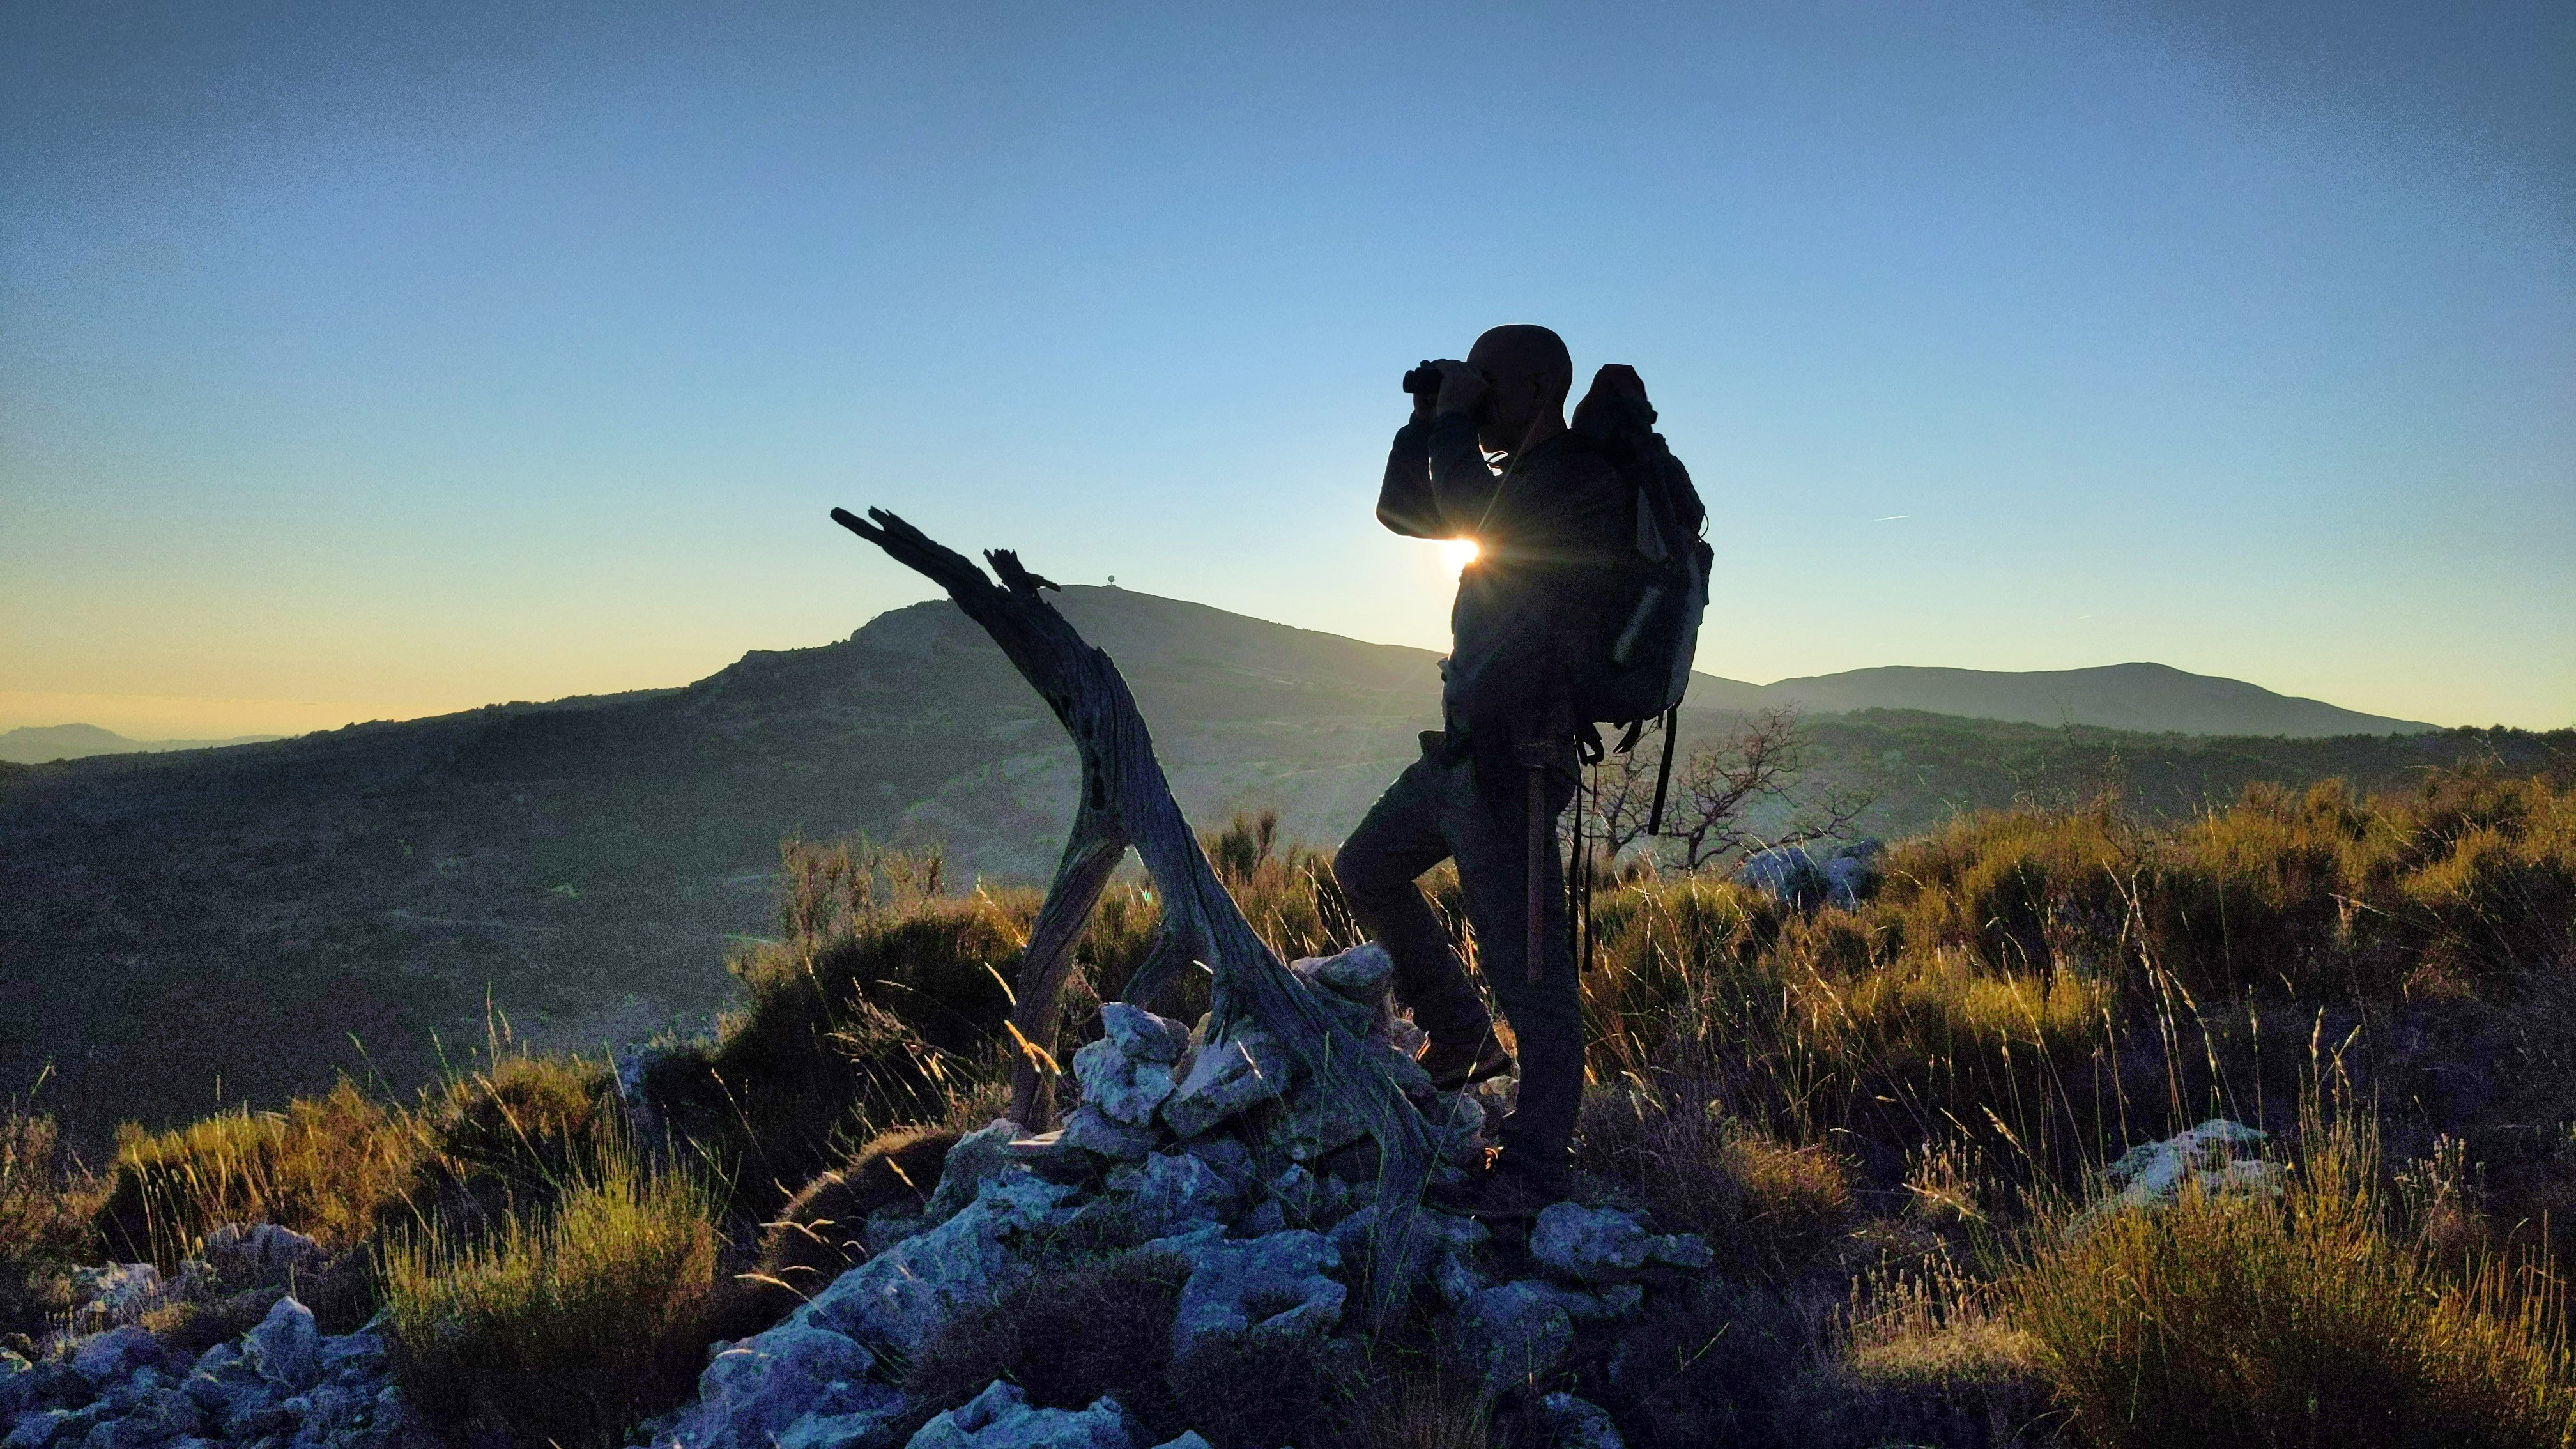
<point>44,744</point>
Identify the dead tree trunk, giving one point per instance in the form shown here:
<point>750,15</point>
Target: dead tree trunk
<point>1127,801</point>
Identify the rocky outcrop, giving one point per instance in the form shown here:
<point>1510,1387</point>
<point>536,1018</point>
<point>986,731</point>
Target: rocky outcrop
<point>282,1383</point>
<point>1220,1157</point>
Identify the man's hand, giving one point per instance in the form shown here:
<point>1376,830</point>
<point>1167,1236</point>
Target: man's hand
<point>1461,387</point>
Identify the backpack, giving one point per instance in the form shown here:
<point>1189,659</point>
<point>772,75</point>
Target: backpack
<point>1633,662</point>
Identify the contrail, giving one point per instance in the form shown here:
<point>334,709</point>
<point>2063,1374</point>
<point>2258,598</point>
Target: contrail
<point>1891,518</point>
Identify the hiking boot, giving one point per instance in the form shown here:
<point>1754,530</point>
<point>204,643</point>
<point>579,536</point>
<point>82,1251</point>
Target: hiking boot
<point>1455,1066</point>
<point>1500,1195</point>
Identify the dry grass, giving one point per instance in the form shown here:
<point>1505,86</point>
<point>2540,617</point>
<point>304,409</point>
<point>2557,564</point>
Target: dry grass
<point>46,1202</point>
<point>1103,1327</point>
<point>2235,1320</point>
<point>1880,1091</point>
<point>560,1325</point>
<point>325,1167</point>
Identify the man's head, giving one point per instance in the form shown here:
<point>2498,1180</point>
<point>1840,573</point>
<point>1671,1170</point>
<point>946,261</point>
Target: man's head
<point>1528,372</point>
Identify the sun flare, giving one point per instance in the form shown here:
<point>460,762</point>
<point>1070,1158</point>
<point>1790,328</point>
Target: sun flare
<point>1457,553</point>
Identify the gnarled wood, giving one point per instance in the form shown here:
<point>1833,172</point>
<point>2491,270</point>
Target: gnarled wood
<point>1127,800</point>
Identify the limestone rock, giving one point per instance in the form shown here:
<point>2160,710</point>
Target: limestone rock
<point>114,1354</point>
<point>1350,1015</point>
<point>1142,1036</point>
<point>1228,1158</point>
<point>36,1429</point>
<point>285,1347</point>
<point>1000,1418</point>
<point>115,1293</point>
<point>1091,1130</point>
<point>761,1385</point>
<point>1270,1289</point>
<point>261,1254</point>
<point>1364,974</point>
<point>1573,1423</point>
<point>977,1158</point>
<point>1190,1439</point>
<point>1121,1087</point>
<point>901,1297</point>
<point>1313,1123</point>
<point>867,1424</point>
<point>1606,1245</point>
<point>1169,1191</point>
<point>1512,1334</point>
<point>1444,1248</point>
<point>1802,879</point>
<point>1244,1070</point>
<point>2221,1156</point>
<point>352,1353</point>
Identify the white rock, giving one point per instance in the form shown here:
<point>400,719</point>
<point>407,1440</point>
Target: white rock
<point>761,1385</point>
<point>1170,1191</point>
<point>1513,1333</point>
<point>1606,1245</point>
<point>261,1253</point>
<point>1363,974</point>
<point>36,1428</point>
<point>1269,1289</point>
<point>1244,1070</point>
<point>114,1354</point>
<point>1000,1418</point>
<point>848,1427</point>
<point>1579,1424</point>
<point>1098,1133</point>
<point>1313,1123</point>
<point>1142,1035</point>
<point>977,1158</point>
<point>113,1294</point>
<point>901,1297</point>
<point>2221,1156</point>
<point>1123,1088</point>
<point>285,1347</point>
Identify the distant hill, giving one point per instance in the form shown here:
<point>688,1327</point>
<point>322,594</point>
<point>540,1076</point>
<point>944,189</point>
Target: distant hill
<point>171,919</point>
<point>37,744</point>
<point>2155,698</point>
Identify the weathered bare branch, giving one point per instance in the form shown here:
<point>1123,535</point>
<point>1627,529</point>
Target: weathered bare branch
<point>1126,800</point>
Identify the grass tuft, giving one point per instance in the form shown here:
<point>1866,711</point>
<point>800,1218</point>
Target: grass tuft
<point>2233,1320</point>
<point>562,1325</point>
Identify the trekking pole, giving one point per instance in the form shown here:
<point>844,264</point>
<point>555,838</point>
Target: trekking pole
<point>1537,848</point>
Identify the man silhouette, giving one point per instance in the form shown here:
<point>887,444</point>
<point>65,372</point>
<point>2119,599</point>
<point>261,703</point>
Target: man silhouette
<point>1550,514</point>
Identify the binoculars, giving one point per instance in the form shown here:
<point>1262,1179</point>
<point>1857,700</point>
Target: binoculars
<point>1423,381</point>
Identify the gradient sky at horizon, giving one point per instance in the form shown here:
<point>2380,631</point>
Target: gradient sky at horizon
<point>372,361</point>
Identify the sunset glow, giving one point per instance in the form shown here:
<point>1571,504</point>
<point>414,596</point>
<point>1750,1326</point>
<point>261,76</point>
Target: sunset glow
<point>1457,553</point>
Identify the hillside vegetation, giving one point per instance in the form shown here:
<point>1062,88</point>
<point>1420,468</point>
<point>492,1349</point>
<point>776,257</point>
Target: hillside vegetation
<point>576,864</point>
<point>1891,1120</point>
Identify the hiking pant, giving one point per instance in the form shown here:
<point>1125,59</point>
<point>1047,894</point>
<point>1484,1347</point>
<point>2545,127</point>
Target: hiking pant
<point>1431,813</point>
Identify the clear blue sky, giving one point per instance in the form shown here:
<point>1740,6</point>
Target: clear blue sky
<point>372,360</point>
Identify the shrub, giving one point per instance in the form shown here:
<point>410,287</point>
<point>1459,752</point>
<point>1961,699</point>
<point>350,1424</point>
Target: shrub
<point>323,1167</point>
<point>46,1201</point>
<point>562,1325</point>
<point>1775,1206</point>
<point>2236,1320</point>
<point>815,1238</point>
